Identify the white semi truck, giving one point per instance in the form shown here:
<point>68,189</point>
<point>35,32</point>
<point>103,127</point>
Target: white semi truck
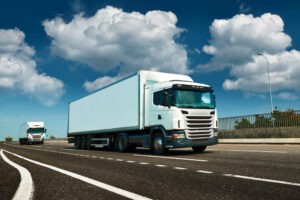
<point>150,109</point>
<point>32,133</point>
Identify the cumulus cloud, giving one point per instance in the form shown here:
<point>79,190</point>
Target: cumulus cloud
<point>236,42</point>
<point>116,40</point>
<point>100,82</point>
<point>18,69</point>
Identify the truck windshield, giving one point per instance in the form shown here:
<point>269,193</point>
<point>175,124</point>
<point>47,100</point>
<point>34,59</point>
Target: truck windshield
<point>36,130</point>
<point>194,99</point>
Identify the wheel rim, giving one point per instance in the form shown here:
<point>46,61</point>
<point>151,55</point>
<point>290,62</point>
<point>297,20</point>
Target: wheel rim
<point>158,143</point>
<point>121,144</point>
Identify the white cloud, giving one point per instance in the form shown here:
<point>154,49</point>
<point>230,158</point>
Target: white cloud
<point>287,96</point>
<point>18,69</point>
<point>99,83</point>
<point>113,39</point>
<point>236,42</point>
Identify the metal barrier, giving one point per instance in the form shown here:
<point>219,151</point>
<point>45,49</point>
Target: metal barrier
<point>289,118</point>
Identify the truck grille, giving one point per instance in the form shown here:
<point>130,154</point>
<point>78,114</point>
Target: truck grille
<point>36,137</point>
<point>199,127</point>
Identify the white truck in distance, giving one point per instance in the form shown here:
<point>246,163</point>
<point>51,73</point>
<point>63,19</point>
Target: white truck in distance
<point>32,133</point>
<point>150,109</point>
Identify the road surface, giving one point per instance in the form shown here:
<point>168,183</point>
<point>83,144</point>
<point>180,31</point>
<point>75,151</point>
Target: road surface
<point>224,171</point>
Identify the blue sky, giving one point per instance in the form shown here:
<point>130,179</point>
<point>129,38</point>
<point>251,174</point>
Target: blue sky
<point>53,52</point>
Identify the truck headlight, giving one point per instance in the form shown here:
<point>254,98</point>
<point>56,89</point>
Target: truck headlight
<point>178,136</point>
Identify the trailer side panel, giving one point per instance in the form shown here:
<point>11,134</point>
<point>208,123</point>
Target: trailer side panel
<point>113,107</point>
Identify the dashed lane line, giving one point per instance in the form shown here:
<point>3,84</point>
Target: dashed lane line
<point>204,172</point>
<point>180,168</point>
<point>26,188</point>
<point>160,165</point>
<point>94,182</point>
<point>172,158</point>
<point>201,171</point>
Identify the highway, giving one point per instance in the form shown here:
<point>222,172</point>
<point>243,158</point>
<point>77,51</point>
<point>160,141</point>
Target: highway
<point>224,171</point>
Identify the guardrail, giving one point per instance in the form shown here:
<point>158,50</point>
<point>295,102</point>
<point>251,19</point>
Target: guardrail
<point>289,118</point>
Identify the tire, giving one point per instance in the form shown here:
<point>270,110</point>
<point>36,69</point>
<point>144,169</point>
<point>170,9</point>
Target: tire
<point>158,144</point>
<point>82,143</point>
<point>88,142</point>
<point>199,149</point>
<point>121,144</point>
<point>77,142</point>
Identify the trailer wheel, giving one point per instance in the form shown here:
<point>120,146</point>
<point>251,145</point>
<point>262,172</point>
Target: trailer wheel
<point>88,142</point>
<point>158,144</point>
<point>199,149</point>
<point>121,144</point>
<point>82,143</point>
<point>77,142</point>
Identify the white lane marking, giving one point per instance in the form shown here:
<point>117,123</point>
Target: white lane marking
<point>94,182</point>
<point>143,163</point>
<point>26,188</point>
<point>119,160</point>
<point>130,161</point>
<point>204,172</point>
<point>262,179</point>
<point>177,158</point>
<point>160,165</point>
<point>248,151</point>
<point>179,168</point>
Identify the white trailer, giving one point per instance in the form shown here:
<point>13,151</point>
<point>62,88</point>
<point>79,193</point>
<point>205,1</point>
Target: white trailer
<point>150,109</point>
<point>32,133</point>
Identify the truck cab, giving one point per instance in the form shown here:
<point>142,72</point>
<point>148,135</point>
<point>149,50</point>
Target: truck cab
<point>32,133</point>
<point>185,112</point>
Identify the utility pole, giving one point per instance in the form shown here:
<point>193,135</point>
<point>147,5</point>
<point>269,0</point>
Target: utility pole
<point>270,88</point>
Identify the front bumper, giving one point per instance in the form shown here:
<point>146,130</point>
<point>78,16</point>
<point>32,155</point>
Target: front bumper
<point>172,142</point>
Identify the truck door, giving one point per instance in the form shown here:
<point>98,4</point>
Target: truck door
<point>158,109</point>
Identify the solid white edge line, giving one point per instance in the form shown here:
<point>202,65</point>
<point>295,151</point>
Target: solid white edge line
<point>249,151</point>
<point>26,188</point>
<point>176,158</point>
<point>94,182</point>
<point>262,179</point>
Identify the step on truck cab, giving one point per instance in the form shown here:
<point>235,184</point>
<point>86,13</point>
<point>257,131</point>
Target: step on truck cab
<point>32,133</point>
<point>149,109</point>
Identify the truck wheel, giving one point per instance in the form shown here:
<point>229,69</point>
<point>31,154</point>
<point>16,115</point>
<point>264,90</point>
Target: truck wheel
<point>88,142</point>
<point>199,149</point>
<point>121,144</point>
<point>82,143</point>
<point>77,142</point>
<point>158,144</point>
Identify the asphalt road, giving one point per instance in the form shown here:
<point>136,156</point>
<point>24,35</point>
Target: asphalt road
<point>224,171</point>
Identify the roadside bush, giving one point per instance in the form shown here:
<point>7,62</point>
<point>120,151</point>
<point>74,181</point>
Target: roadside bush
<point>8,139</point>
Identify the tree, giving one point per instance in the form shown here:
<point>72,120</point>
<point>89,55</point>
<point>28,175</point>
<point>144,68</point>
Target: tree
<point>286,118</point>
<point>52,137</point>
<point>244,123</point>
<point>262,122</point>
<point>8,139</point>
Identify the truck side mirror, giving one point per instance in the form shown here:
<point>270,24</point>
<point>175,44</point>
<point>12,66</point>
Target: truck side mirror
<point>214,99</point>
<point>45,130</point>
